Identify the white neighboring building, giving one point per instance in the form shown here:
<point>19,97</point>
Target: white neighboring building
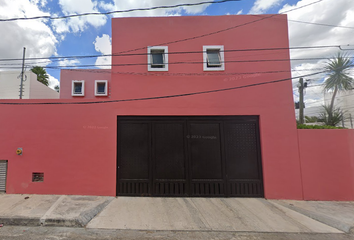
<point>309,111</point>
<point>32,89</point>
<point>345,101</point>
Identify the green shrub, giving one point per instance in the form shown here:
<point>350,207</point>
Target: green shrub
<point>303,126</point>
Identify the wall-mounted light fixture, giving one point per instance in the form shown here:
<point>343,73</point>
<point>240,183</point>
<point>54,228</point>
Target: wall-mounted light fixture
<point>19,151</point>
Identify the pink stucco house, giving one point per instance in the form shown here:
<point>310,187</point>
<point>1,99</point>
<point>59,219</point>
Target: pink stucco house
<point>193,106</point>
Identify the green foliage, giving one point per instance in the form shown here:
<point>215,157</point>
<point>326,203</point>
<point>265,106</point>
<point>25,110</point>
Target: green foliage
<point>338,79</point>
<point>57,88</point>
<point>311,119</point>
<point>303,126</point>
<point>330,116</point>
<point>42,75</point>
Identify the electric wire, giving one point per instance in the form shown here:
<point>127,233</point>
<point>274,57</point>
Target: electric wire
<point>158,97</point>
<point>321,24</point>
<point>187,74</point>
<point>197,62</point>
<point>222,30</point>
<point>178,52</point>
<point>118,11</point>
<point>203,35</point>
<point>15,66</point>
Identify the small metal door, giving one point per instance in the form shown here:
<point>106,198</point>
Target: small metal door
<point>3,173</point>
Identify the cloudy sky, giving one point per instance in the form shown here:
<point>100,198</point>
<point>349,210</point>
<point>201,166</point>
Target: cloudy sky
<point>91,35</point>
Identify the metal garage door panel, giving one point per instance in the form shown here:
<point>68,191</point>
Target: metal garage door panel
<point>205,151</point>
<point>241,151</point>
<point>205,156</point>
<point>169,159</point>
<point>169,151</point>
<point>134,154</point>
<point>3,172</point>
<point>243,160</point>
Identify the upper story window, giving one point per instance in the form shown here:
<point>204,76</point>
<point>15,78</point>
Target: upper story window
<point>78,88</point>
<point>158,58</point>
<point>213,58</point>
<point>101,88</point>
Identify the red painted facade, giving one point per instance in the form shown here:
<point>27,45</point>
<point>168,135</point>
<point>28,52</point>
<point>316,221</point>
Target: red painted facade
<point>327,160</point>
<point>89,76</point>
<point>75,144</point>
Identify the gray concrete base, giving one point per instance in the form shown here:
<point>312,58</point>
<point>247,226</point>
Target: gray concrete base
<point>337,214</point>
<point>50,210</point>
<point>177,214</point>
<point>63,233</point>
<point>205,214</point>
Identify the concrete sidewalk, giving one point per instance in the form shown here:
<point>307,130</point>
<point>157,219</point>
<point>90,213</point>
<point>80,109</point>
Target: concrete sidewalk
<point>177,214</point>
<point>50,210</point>
<point>206,214</point>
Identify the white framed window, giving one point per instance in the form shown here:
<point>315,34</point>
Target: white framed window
<point>78,88</point>
<point>213,58</point>
<point>158,58</point>
<point>101,87</point>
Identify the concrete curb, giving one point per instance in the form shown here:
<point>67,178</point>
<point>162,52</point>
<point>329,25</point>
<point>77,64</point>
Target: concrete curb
<point>80,221</point>
<point>320,217</point>
<point>19,221</point>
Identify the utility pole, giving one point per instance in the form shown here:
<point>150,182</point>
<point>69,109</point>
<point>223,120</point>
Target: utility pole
<point>23,71</point>
<point>301,101</point>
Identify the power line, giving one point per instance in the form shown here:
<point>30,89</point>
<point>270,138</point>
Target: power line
<point>178,52</point>
<point>16,66</point>
<point>159,97</point>
<point>199,36</point>
<point>337,97</point>
<point>118,11</point>
<point>197,62</point>
<point>172,63</point>
<point>186,74</point>
<point>321,24</point>
<point>222,30</point>
<point>237,75</point>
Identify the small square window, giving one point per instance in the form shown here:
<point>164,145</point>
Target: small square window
<point>78,88</point>
<point>101,88</point>
<point>213,58</point>
<point>158,58</point>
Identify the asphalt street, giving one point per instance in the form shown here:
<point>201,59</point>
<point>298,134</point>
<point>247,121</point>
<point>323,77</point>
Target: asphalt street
<point>63,233</point>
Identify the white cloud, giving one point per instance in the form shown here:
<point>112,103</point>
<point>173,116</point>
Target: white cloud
<point>41,3</point>
<point>103,45</point>
<point>261,6</point>
<point>118,5</point>
<point>301,34</point>
<point>239,12</point>
<point>35,35</point>
<point>60,26</point>
<point>68,62</point>
<point>77,24</point>
<point>52,81</point>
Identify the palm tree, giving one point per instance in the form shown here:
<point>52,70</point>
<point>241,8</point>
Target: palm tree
<point>338,79</point>
<point>331,117</point>
<point>42,75</point>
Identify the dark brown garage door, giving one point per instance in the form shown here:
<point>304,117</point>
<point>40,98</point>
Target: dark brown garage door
<point>189,156</point>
